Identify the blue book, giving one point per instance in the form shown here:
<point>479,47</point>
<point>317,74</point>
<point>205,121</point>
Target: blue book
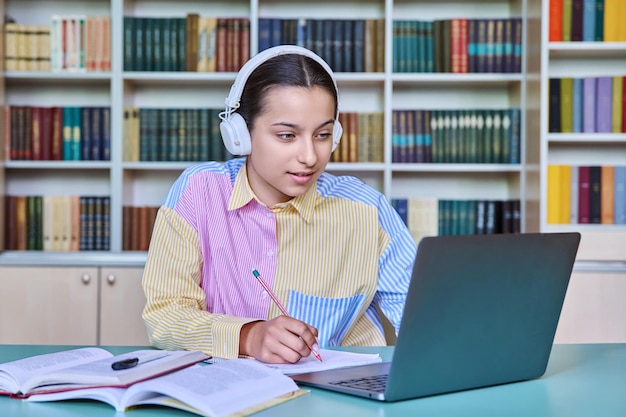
<point>265,27</point>
<point>358,46</point>
<point>514,146</point>
<point>620,195</point>
<point>577,106</point>
<point>86,128</point>
<point>589,104</point>
<point>400,204</point>
<point>589,20</point>
<point>106,133</point>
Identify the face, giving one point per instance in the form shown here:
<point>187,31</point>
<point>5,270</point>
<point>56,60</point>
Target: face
<point>291,142</point>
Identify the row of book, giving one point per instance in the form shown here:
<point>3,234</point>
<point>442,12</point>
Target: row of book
<point>69,43</point>
<point>193,134</point>
<point>173,134</point>
<point>137,225</point>
<point>57,223</point>
<point>432,216</point>
<point>458,45</point>
<point>490,136</point>
<point>587,105</point>
<point>67,133</point>
<point>362,139</point>
<point>347,45</point>
<point>191,43</point>
<point>587,20</point>
<point>586,194</point>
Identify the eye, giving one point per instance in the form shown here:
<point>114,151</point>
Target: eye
<point>324,135</point>
<point>285,136</point>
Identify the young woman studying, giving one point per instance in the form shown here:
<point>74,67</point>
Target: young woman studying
<point>332,249</point>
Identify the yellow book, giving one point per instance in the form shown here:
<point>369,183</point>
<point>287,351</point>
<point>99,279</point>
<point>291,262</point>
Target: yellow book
<point>567,93</point>
<point>612,20</point>
<point>565,187</point>
<point>554,194</point>
<point>616,117</point>
<point>423,217</point>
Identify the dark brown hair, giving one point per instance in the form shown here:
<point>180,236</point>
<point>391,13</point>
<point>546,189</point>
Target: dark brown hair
<point>292,70</point>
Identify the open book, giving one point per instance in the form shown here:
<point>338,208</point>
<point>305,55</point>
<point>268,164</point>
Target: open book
<point>239,386</point>
<point>88,367</point>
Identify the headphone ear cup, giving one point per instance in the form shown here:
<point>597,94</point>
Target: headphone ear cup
<point>235,135</point>
<point>337,132</point>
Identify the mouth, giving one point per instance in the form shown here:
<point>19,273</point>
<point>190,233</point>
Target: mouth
<point>301,177</point>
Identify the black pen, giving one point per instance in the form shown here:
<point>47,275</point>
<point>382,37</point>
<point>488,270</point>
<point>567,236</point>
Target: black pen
<point>125,364</point>
<point>131,362</point>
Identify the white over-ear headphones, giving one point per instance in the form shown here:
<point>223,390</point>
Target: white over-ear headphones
<point>233,127</point>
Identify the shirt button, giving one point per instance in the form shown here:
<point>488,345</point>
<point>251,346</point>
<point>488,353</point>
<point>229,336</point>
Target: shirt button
<point>270,253</point>
<point>269,215</point>
<point>264,294</point>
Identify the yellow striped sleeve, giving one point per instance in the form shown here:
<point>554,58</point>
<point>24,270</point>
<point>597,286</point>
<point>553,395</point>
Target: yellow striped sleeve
<point>175,313</point>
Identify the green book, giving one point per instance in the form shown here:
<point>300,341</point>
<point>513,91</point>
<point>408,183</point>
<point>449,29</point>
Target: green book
<point>567,97</point>
<point>567,20</point>
<point>487,142</point>
<point>172,135</point>
<point>506,132</point>
<point>616,118</point>
<point>129,43</point>
<point>497,138</point>
<point>599,26</point>
<point>216,143</point>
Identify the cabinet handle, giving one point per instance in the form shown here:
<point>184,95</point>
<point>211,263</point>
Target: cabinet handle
<point>111,279</point>
<point>86,278</point>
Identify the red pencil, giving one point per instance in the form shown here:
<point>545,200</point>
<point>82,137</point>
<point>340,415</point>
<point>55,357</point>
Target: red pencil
<point>280,305</point>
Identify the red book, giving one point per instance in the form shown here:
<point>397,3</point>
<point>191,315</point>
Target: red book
<point>46,133</point>
<point>7,132</point>
<point>584,204</point>
<point>455,45</point>
<point>464,54</point>
<point>56,140</point>
<point>555,33</point>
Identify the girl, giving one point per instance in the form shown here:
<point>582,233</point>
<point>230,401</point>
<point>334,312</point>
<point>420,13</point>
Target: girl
<point>333,249</point>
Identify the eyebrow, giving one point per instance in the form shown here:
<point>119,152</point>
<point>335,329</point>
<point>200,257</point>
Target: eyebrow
<point>294,126</point>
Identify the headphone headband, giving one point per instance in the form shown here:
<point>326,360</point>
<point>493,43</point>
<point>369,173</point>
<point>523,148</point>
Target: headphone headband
<point>233,127</point>
<point>236,90</point>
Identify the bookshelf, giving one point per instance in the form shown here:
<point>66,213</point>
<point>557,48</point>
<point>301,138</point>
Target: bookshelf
<point>582,145</point>
<point>145,183</point>
<point>593,311</point>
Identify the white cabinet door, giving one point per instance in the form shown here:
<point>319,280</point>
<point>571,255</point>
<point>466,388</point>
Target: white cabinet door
<point>122,302</point>
<point>48,305</point>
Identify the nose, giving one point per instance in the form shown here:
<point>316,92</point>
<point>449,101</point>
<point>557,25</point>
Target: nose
<point>307,153</point>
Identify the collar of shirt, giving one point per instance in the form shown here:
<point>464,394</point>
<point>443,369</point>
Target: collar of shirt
<point>243,194</point>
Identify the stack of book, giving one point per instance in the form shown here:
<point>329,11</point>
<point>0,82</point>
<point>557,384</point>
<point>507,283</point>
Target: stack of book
<point>456,136</point>
<point>586,194</point>
<point>57,223</point>
<point>438,217</point>
<point>191,43</point>
<point>458,45</point>
<point>68,133</point>
<point>587,105</point>
<point>69,43</point>
<point>587,20</point>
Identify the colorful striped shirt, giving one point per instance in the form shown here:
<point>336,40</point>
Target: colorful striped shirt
<point>335,257</point>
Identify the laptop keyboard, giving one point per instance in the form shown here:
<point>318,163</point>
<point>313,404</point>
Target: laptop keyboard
<point>374,383</point>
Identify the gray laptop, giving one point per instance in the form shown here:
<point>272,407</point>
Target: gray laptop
<point>481,310</point>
